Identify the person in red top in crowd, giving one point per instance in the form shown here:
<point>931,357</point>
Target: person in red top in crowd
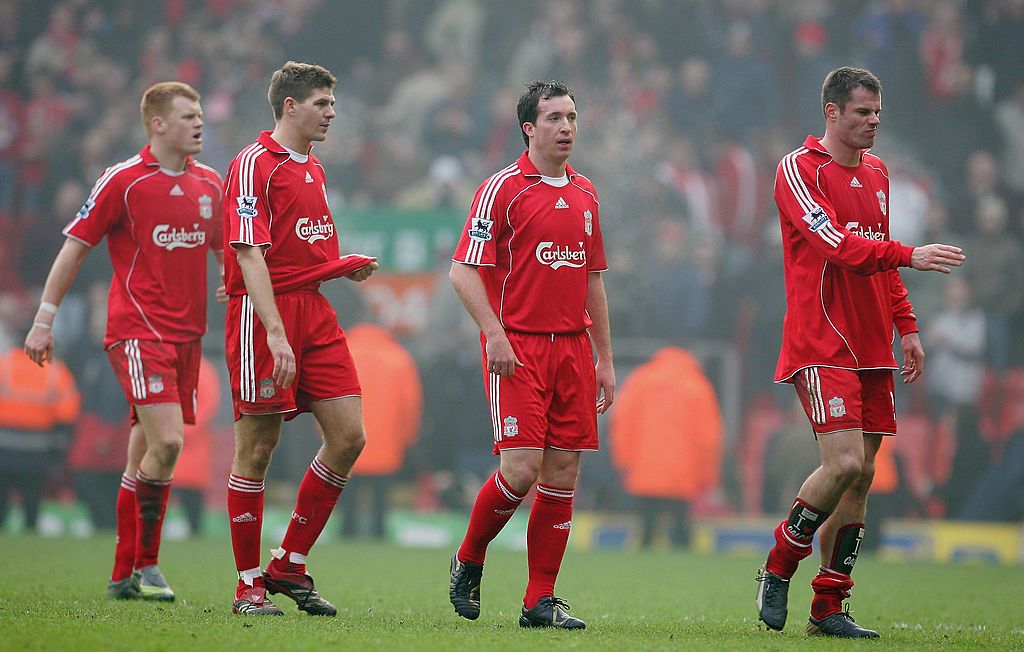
<point>843,297</point>
<point>286,353</point>
<point>160,211</point>
<point>528,269</point>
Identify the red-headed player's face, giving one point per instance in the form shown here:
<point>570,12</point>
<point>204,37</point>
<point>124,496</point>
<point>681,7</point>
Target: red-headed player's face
<point>554,133</point>
<point>182,127</point>
<point>857,124</point>
<point>312,117</point>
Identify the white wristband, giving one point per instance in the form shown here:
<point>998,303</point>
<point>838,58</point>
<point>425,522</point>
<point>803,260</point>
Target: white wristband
<point>39,324</point>
<point>48,307</point>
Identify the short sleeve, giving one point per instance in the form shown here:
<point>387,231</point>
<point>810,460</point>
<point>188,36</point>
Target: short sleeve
<point>484,225</point>
<point>101,211</point>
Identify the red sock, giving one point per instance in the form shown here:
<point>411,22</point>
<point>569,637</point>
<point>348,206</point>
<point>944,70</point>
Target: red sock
<point>494,506</point>
<point>318,494</point>
<point>793,539</point>
<point>245,509</point>
<point>124,546</point>
<point>830,589</point>
<point>151,505</point>
<point>546,538</point>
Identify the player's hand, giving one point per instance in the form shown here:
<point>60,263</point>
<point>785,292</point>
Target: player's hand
<point>39,345</point>
<point>913,357</point>
<point>605,373</point>
<point>221,295</point>
<point>937,258</point>
<point>284,359</point>
<point>501,358</point>
<point>364,272</point>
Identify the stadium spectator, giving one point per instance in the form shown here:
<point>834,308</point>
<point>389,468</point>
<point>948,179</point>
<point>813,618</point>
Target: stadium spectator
<point>666,440</point>
<point>844,297</point>
<point>38,409</point>
<point>286,353</point>
<point>392,411</point>
<point>163,208</point>
<point>528,269</point>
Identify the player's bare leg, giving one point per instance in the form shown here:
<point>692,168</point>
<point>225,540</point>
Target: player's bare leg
<point>842,460</point>
<point>164,430</point>
<point>839,539</point>
<point>256,437</point>
<point>341,425</point>
<point>122,585</point>
<point>546,538</point>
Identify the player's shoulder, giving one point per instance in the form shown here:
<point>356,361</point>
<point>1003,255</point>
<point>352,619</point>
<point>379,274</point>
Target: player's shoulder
<point>875,162</point>
<point>205,171</point>
<point>251,156</point>
<point>584,182</point>
<point>120,175</point>
<point>802,156</point>
<point>507,177</point>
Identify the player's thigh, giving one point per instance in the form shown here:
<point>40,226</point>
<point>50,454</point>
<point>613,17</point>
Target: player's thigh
<point>146,370</point>
<point>831,398</point>
<point>560,468</point>
<point>518,409</point>
<point>340,420</point>
<point>249,361</point>
<point>572,414</point>
<point>256,435</point>
<point>878,393</point>
<point>161,424</point>
<point>189,358</point>
<point>327,370</point>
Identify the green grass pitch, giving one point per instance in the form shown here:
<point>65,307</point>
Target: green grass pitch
<point>389,598</point>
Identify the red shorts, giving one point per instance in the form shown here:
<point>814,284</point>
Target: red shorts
<point>549,403</point>
<point>324,367</point>
<point>844,399</point>
<point>157,373</point>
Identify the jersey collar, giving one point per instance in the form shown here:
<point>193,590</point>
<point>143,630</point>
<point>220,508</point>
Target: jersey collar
<point>530,170</point>
<point>275,147</point>
<point>813,143</point>
<point>148,159</point>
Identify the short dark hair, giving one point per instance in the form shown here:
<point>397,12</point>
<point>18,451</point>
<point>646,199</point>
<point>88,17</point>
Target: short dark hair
<point>839,85</point>
<point>536,91</point>
<point>298,81</point>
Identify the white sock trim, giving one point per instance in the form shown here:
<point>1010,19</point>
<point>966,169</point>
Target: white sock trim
<point>249,576</point>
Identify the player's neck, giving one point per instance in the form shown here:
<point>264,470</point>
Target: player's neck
<point>168,157</point>
<point>840,152</point>
<point>546,167</point>
<point>288,138</point>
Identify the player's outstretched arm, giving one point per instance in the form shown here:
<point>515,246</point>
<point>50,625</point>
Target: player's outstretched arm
<point>39,341</point>
<point>501,358</point>
<point>261,292</point>
<point>937,258</point>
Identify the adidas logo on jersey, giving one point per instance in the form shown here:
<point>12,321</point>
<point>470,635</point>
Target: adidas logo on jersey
<point>563,526</point>
<point>176,191</point>
<point>309,178</point>
<point>244,518</point>
<point>855,184</point>
<point>561,203</point>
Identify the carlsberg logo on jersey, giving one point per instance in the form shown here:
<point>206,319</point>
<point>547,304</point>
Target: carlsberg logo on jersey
<point>311,231</point>
<point>170,238</point>
<point>866,231</point>
<point>561,256</point>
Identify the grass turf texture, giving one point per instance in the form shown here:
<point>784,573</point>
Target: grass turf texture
<point>389,598</point>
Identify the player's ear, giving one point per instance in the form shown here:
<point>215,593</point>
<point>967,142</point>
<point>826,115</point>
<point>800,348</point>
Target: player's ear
<point>528,129</point>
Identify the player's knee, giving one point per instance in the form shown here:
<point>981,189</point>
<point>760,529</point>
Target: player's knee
<point>521,476</point>
<point>167,449</point>
<point>257,456</point>
<point>847,469</point>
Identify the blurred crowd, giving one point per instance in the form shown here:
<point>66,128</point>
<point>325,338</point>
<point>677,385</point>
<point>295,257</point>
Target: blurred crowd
<point>686,107</point>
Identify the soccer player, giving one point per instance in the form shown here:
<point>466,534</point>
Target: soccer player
<point>161,213</point>
<point>285,352</point>
<point>528,269</point>
<point>844,296</point>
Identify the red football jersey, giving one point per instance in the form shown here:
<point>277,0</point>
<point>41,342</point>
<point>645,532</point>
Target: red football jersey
<point>159,227</point>
<point>843,293</point>
<point>534,244</point>
<point>278,202</point>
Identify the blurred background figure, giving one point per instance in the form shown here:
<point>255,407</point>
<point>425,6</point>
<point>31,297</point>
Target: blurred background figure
<point>666,441</point>
<point>392,411</point>
<point>38,409</point>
